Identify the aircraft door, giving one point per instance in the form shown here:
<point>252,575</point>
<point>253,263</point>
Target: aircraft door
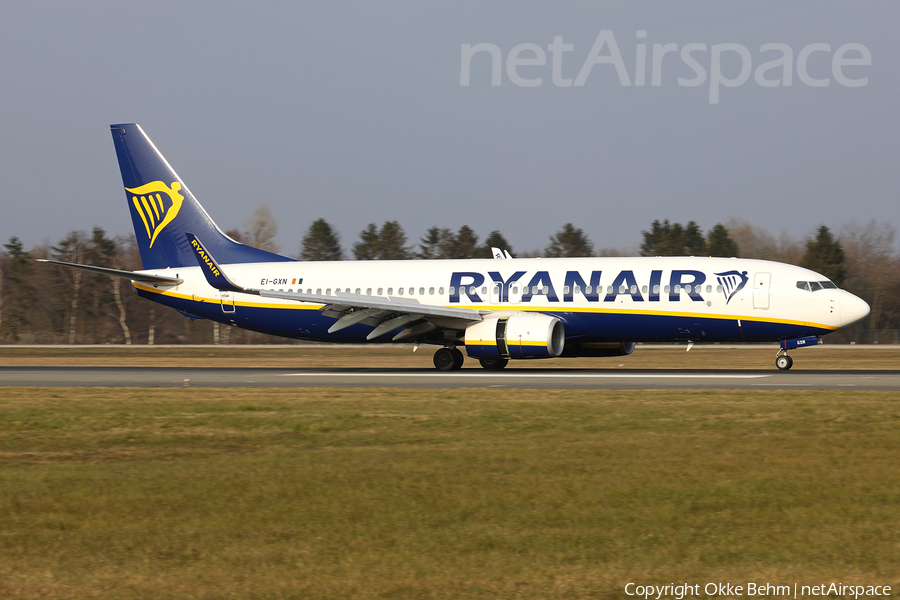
<point>227,301</point>
<point>515,292</point>
<point>761,284</point>
<point>494,297</point>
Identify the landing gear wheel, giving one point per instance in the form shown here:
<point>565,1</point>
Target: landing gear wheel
<point>494,364</point>
<point>784,362</point>
<point>458,358</point>
<point>444,359</point>
<point>448,359</point>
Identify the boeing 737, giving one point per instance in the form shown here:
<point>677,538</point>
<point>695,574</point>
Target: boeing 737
<point>497,309</point>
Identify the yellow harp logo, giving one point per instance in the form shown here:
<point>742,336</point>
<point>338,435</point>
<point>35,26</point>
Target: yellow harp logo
<point>155,210</point>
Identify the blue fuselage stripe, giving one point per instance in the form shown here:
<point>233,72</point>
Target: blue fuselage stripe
<point>309,324</point>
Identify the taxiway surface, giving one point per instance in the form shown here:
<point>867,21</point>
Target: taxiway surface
<point>610,379</point>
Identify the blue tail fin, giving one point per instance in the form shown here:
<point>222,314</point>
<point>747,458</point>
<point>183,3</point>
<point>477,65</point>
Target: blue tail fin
<point>163,209</point>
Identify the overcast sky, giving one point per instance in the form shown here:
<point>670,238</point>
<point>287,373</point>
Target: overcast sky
<point>355,112</point>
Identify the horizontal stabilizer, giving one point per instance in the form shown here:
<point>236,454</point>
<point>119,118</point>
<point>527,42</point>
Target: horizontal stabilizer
<point>132,275</point>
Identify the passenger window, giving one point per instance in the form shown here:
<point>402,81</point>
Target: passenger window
<point>368,291</point>
<point>708,289</point>
<point>655,289</point>
<point>566,290</point>
<point>634,289</point>
<point>400,292</point>
<point>677,289</point>
<point>622,289</point>
<point>441,291</point>
<point>484,290</point>
<point>666,289</point>
<point>328,292</point>
<point>576,290</point>
<point>431,291</point>
<point>588,289</point>
<point>514,289</point>
<point>545,290</point>
<point>452,290</point>
<point>644,289</point>
<point>719,289</point>
<point>472,290</point>
<point>380,291</point>
<point>687,288</point>
<point>422,291</point>
<point>609,289</point>
<point>390,291</point>
<point>318,291</point>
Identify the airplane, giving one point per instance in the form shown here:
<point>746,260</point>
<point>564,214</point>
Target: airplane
<point>497,309</point>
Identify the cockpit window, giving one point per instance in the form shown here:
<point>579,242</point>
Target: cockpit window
<point>815,286</point>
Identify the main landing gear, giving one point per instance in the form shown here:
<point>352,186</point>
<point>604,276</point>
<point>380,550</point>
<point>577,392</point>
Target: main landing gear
<point>451,359</point>
<point>783,361</point>
<point>448,359</point>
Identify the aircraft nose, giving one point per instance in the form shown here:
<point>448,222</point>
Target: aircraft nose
<point>852,308</point>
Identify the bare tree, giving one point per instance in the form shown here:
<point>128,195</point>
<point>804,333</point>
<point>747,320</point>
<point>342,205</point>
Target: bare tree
<point>873,268</point>
<point>2,278</point>
<point>261,229</point>
<point>754,241</point>
<point>72,249</point>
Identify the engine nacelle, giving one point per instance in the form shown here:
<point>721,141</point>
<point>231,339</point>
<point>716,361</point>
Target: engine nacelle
<point>523,335</point>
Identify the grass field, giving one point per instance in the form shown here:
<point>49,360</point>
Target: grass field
<point>293,356</point>
<point>330,493</point>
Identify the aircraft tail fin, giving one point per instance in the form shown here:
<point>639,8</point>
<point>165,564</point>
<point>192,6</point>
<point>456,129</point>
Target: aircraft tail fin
<point>163,209</point>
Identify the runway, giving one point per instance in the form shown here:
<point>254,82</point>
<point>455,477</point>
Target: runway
<point>581,379</point>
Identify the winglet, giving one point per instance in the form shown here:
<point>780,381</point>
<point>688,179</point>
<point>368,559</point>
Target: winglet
<point>211,269</point>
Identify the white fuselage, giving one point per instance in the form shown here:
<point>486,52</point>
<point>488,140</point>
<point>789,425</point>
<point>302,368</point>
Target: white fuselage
<point>634,299</point>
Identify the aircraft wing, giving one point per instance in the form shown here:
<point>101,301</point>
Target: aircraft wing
<point>386,314</point>
<point>132,275</point>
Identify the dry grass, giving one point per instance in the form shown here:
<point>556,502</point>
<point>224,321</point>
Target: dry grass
<point>329,493</point>
<point>700,357</point>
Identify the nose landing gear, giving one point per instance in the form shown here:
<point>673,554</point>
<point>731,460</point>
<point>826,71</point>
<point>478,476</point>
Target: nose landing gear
<point>448,359</point>
<point>783,361</point>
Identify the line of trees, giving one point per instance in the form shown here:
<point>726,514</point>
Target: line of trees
<point>53,305</point>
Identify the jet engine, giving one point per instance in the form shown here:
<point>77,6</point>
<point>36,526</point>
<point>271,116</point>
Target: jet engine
<point>523,335</point>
